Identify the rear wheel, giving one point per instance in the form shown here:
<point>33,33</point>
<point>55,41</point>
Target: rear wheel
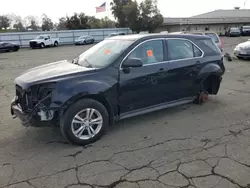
<point>55,43</point>
<point>15,49</point>
<point>84,122</point>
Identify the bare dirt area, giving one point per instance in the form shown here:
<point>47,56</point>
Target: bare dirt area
<point>202,146</point>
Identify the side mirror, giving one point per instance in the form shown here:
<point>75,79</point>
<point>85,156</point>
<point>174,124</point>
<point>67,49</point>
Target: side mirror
<point>132,62</point>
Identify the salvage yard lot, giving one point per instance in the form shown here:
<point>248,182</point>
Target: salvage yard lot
<point>201,146</point>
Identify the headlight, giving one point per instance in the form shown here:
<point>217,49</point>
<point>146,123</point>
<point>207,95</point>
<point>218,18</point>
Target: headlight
<point>237,48</point>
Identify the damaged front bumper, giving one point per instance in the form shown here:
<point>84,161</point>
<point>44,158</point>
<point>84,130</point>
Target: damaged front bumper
<point>16,111</point>
<point>35,118</point>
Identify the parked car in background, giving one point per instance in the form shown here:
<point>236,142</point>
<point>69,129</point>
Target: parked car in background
<point>242,50</point>
<point>43,41</point>
<point>9,46</point>
<point>115,34</point>
<point>84,40</point>
<point>118,78</point>
<point>213,35</point>
<point>245,31</point>
<point>234,32</point>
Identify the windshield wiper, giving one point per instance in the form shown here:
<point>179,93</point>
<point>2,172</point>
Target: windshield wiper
<point>76,61</point>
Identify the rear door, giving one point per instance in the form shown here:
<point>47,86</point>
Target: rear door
<point>184,64</point>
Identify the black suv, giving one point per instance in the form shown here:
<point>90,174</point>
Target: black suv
<point>118,78</point>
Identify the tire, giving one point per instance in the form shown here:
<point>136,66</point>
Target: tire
<point>80,107</point>
<point>55,43</point>
<point>42,45</point>
<point>15,49</point>
<point>201,97</point>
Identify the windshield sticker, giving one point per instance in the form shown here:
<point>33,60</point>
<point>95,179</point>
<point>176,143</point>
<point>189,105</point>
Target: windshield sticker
<point>107,51</point>
<point>149,53</point>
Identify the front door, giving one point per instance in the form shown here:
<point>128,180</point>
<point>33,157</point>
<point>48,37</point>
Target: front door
<point>140,87</point>
<point>184,64</point>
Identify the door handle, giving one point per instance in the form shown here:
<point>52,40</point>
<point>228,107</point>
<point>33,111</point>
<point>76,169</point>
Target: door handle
<point>161,70</point>
<point>198,62</point>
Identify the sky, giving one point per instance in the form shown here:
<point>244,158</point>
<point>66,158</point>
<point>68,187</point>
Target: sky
<point>56,9</point>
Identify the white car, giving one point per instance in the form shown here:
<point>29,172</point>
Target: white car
<point>242,50</point>
<point>43,41</point>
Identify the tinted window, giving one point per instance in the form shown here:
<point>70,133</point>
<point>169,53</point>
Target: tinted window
<point>149,52</point>
<point>197,52</point>
<point>182,49</point>
<point>210,45</point>
<point>213,36</point>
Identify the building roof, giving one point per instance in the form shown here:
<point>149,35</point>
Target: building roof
<point>214,17</point>
<point>233,13</point>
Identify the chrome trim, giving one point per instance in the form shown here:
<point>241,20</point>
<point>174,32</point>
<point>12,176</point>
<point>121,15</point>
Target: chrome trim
<point>163,39</point>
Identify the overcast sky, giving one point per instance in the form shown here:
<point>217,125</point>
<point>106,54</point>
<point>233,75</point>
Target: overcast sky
<point>56,9</point>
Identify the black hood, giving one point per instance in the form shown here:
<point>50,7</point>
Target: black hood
<point>49,72</point>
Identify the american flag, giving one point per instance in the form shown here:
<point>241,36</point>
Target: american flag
<point>101,8</point>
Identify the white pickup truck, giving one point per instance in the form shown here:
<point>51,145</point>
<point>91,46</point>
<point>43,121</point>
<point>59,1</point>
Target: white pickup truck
<point>43,41</point>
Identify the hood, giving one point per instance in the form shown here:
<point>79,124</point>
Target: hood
<point>79,40</point>
<point>244,44</point>
<point>36,40</point>
<point>49,72</point>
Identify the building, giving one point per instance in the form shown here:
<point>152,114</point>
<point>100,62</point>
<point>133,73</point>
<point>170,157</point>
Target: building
<point>217,21</point>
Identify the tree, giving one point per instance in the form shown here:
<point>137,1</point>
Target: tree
<point>77,21</point>
<point>4,22</point>
<point>145,17</point>
<point>62,24</point>
<point>31,23</point>
<point>121,10</point>
<point>18,23</point>
<point>150,17</point>
<point>47,23</point>
<point>107,23</point>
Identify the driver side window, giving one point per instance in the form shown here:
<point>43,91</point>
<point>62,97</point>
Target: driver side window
<point>149,52</point>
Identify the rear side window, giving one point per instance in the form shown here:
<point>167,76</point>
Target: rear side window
<point>182,49</point>
<point>210,46</point>
<point>213,36</point>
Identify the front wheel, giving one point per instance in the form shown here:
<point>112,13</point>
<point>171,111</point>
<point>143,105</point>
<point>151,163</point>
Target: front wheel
<point>84,122</point>
<point>42,45</point>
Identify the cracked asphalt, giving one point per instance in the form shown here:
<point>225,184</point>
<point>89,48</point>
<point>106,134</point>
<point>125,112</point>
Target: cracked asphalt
<point>190,146</point>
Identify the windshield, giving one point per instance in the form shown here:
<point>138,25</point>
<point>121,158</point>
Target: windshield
<point>103,53</point>
<point>235,29</point>
<point>246,27</point>
<point>213,36</point>
<point>40,37</point>
<point>82,37</point>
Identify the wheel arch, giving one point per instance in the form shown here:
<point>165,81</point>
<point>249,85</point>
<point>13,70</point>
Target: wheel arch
<point>211,83</point>
<point>98,97</point>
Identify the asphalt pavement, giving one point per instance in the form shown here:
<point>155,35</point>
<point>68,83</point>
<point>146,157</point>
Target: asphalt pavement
<point>202,146</point>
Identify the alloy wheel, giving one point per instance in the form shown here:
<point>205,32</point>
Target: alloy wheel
<point>87,123</point>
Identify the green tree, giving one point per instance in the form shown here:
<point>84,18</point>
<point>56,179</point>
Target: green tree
<point>47,23</point>
<point>145,17</point>
<point>62,24</point>
<point>123,10</point>
<point>150,17</point>
<point>4,22</point>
